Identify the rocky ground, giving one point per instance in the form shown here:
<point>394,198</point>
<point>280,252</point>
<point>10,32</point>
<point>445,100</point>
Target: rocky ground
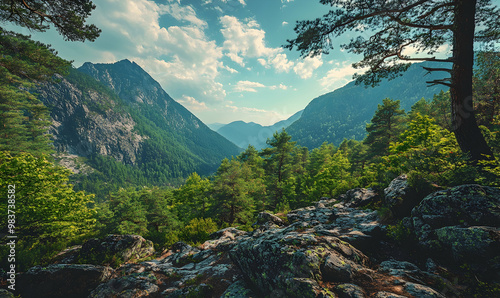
<point>448,246</point>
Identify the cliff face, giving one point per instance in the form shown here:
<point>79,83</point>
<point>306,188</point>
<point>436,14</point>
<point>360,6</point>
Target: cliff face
<point>118,110</point>
<point>86,122</point>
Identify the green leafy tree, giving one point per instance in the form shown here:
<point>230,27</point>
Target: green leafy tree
<point>198,230</point>
<point>438,109</point>
<point>389,28</point>
<point>67,16</point>
<point>193,198</point>
<point>277,164</point>
<point>487,87</point>
<point>233,190</point>
<point>46,207</point>
<point>385,127</point>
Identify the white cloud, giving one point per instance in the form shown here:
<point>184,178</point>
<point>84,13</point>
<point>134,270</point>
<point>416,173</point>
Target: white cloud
<point>247,86</point>
<point>182,58</point>
<point>339,76</point>
<point>280,86</point>
<point>284,23</point>
<point>306,68</point>
<point>192,104</point>
<point>246,40</point>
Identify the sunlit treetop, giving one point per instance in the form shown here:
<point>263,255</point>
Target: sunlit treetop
<point>68,16</point>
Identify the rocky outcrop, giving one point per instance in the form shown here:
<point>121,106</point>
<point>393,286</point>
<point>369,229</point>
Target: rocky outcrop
<point>359,197</point>
<point>400,197</point>
<point>461,224</point>
<point>86,122</point>
<point>62,280</point>
<point>325,250</point>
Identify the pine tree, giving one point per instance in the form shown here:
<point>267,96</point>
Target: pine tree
<point>385,127</point>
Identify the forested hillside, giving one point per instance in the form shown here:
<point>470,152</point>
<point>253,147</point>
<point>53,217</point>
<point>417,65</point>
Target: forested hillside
<point>344,113</point>
<point>131,134</point>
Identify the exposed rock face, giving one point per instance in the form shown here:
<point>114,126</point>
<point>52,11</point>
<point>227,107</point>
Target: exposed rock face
<point>359,197</point>
<point>88,122</point>
<point>400,197</point>
<point>121,248</point>
<point>326,250</point>
<point>62,280</point>
<point>464,223</point>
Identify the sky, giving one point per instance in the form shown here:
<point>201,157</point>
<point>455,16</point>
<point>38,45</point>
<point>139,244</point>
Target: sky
<point>221,59</point>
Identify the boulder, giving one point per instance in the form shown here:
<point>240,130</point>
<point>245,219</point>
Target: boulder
<point>461,225</point>
<point>62,280</point>
<point>114,250</point>
<point>359,197</point>
<point>6,294</point>
<point>349,291</point>
<point>287,262</point>
<point>130,286</point>
<point>400,198</point>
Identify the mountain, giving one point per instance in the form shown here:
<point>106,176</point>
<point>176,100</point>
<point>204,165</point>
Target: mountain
<point>244,134</point>
<point>345,112</point>
<point>124,124</point>
<point>215,126</point>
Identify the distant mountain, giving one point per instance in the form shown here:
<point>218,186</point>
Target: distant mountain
<point>119,111</point>
<point>215,126</point>
<point>244,134</point>
<point>345,112</point>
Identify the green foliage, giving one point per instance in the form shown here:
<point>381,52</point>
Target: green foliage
<point>486,84</point>
<point>399,232</point>
<point>385,127</point>
<point>198,231</point>
<point>67,16</point>
<point>425,149</point>
<point>46,206</point>
<point>24,120</point>
<point>193,199</point>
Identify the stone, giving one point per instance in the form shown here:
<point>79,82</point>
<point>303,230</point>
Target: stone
<point>238,290</point>
<point>400,198</point>
<point>461,225</point>
<point>359,197</point>
<point>6,294</point>
<point>130,286</point>
<point>421,291</point>
<point>349,291</point>
<point>385,294</point>
<point>115,250</point>
<point>62,280</point>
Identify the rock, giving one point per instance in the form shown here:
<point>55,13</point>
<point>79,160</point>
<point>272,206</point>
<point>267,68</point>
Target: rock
<point>287,263</point>
<point>264,217</point>
<point>238,290</point>
<point>223,240</point>
<point>359,197</point>
<point>62,280</point>
<point>421,291</point>
<point>349,291</point>
<point>130,286</point>
<point>461,225</point>
<point>400,198</point>
<point>115,250</point>
<point>384,294</point>
<point>202,290</point>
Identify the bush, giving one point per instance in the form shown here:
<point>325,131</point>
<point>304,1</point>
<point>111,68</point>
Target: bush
<point>198,231</point>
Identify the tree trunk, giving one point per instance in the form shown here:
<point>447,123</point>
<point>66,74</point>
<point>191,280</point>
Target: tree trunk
<point>464,125</point>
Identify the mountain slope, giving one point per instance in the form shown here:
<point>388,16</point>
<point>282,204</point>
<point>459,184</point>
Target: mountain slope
<point>345,112</point>
<point>128,128</point>
<point>244,134</point>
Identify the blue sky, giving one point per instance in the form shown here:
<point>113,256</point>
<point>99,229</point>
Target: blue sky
<point>221,59</point>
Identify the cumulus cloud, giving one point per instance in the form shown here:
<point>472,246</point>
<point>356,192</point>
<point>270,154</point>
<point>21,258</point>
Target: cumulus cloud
<point>247,86</point>
<point>306,68</point>
<point>340,75</point>
<point>284,23</point>
<point>192,104</point>
<point>182,58</point>
<point>247,40</point>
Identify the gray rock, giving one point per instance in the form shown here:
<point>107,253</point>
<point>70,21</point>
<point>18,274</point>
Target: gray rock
<point>114,249</point>
<point>130,286</point>
<point>359,197</point>
<point>238,290</point>
<point>349,291</point>
<point>400,198</point>
<point>422,291</point>
<point>384,294</point>
<point>461,225</point>
<point>6,294</point>
<point>62,280</point>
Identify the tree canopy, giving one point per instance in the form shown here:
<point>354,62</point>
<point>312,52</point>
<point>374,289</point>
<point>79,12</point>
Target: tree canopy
<point>421,26</point>
<point>68,17</point>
